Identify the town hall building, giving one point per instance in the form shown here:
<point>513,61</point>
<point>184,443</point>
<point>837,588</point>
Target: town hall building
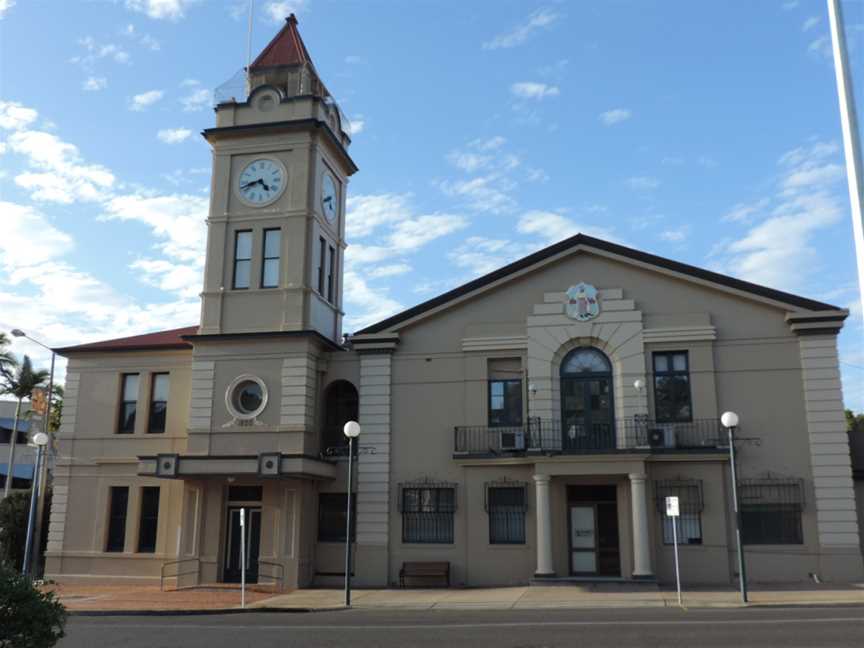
<point>527,425</point>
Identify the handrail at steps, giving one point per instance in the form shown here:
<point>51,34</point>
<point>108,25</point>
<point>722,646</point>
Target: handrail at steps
<point>179,573</point>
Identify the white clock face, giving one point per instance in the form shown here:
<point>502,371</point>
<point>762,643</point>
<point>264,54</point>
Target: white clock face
<point>261,182</point>
<point>328,197</point>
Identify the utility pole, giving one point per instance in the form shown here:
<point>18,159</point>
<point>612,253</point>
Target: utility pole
<point>851,141</point>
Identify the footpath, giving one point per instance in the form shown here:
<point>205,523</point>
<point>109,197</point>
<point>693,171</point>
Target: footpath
<point>92,599</point>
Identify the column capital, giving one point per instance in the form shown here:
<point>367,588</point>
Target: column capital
<point>542,479</point>
<point>638,477</point>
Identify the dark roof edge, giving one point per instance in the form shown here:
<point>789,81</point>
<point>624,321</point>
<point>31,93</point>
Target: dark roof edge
<point>168,346</point>
<point>290,124</point>
<point>583,239</point>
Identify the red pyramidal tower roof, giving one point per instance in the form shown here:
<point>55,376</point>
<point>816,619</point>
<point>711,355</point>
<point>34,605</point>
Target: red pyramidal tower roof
<point>286,48</point>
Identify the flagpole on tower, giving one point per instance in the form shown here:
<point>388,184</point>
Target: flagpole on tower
<point>249,46</point>
<point>851,141</point>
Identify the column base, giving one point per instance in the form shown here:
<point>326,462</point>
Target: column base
<point>644,577</point>
<point>542,575</point>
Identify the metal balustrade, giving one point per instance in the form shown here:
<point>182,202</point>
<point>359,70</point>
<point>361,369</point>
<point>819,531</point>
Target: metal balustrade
<point>552,436</point>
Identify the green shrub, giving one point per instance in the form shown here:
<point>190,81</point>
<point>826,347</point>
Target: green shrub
<point>13,528</point>
<point>29,618</point>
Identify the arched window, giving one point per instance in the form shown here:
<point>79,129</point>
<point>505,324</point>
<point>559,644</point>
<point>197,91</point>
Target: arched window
<point>587,419</point>
<point>585,360</point>
<point>341,404</point>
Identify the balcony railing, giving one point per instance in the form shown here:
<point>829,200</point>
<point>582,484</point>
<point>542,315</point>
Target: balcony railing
<point>547,436</point>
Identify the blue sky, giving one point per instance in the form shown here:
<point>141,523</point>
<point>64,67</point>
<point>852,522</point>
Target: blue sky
<point>705,132</point>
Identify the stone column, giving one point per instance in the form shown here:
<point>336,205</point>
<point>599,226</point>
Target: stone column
<point>641,536</point>
<point>544,527</point>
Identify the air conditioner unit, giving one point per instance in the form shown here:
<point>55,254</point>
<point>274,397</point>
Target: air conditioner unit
<point>513,439</point>
<point>662,437</point>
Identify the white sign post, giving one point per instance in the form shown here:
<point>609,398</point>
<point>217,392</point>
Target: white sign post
<point>243,558</point>
<point>673,512</point>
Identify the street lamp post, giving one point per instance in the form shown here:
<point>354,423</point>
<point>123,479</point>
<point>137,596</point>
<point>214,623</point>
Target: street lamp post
<point>40,439</point>
<point>40,474</point>
<point>352,431</point>
<point>730,422</point>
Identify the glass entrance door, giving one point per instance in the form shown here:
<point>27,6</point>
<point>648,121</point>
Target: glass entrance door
<point>232,544</point>
<point>583,540</point>
<point>593,530</point>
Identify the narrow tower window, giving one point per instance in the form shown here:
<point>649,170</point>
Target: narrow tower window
<point>128,404</point>
<point>270,266</point>
<point>242,258</point>
<point>331,275</point>
<point>322,254</point>
<point>158,403</point>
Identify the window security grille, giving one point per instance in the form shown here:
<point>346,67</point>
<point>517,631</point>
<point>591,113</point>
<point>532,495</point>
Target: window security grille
<point>427,510</point>
<point>506,504</point>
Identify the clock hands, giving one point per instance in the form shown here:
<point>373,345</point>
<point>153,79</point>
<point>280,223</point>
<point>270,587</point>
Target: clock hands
<point>254,182</point>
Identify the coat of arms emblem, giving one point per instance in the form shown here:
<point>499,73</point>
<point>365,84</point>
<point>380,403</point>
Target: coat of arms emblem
<point>582,302</point>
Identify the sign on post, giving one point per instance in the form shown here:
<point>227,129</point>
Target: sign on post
<point>673,511</point>
<point>242,558</point>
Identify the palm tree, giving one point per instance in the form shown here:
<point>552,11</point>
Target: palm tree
<point>6,357</point>
<point>18,382</point>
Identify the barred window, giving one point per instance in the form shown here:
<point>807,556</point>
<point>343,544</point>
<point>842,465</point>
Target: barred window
<point>689,494</point>
<point>427,514</point>
<point>505,505</point>
<point>771,511</point>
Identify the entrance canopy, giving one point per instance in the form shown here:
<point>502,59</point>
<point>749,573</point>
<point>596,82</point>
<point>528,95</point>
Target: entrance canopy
<point>272,465</point>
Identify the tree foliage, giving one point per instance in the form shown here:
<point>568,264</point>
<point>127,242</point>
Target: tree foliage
<point>19,381</point>
<point>29,618</point>
<point>854,422</point>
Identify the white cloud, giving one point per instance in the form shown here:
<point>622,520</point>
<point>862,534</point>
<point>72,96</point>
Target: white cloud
<point>615,116</point>
<point>59,173</point>
<point>173,135</point>
<point>553,227</point>
<point>279,11</point>
<point>467,161</point>
<point>489,143</point>
<point>482,255</point>
<point>356,125</point>
<point>161,9</point>
<point>540,19</point>
<point>398,231</point>
<point>353,59</point>
<point>14,116</point>
<point>144,100</point>
<point>95,51</point>
<point>643,183</point>
<point>533,90</point>
<point>94,84</point>
<point>486,193</point>
<point>20,224</point>
<point>791,4</point>
<point>677,235</point>
<point>5,5</point>
<point>821,47</point>
<point>810,23</point>
<point>745,212</point>
<point>366,213</point>
<point>198,99</point>
<point>178,220</point>
<point>368,305</point>
<point>392,270</point>
<point>777,250</point>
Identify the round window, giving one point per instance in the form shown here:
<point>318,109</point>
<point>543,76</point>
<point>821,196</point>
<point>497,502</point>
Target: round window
<point>246,397</point>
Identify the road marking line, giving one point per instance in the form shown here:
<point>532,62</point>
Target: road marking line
<point>464,626</point>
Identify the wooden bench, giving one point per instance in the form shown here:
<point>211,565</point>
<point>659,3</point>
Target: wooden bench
<point>436,570</point>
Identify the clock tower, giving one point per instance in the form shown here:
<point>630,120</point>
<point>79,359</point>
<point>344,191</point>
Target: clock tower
<point>276,226</point>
